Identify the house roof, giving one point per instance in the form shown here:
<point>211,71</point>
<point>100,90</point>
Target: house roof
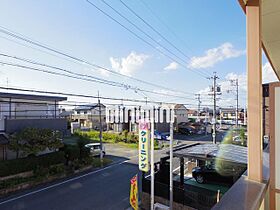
<point>177,106</point>
<point>231,110</point>
<point>65,113</point>
<point>191,111</point>
<point>87,107</point>
<point>31,97</point>
<point>227,152</point>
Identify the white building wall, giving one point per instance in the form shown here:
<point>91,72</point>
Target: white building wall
<point>24,110</point>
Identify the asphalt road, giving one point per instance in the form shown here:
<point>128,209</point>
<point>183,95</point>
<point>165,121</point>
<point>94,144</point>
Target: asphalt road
<point>106,188</point>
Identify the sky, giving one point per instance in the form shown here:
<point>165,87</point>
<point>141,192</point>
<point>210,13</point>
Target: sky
<point>205,38</point>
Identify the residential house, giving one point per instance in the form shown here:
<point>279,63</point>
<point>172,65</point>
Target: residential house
<point>192,113</point>
<point>181,113</point>
<point>133,127</point>
<point>19,111</point>
<point>88,116</point>
<point>230,114</point>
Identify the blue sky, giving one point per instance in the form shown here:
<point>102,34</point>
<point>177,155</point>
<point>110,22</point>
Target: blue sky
<point>79,29</point>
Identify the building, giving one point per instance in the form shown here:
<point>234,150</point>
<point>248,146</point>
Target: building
<point>192,113</point>
<point>19,111</point>
<point>230,114</point>
<point>88,116</point>
<point>131,126</point>
<point>181,114</point>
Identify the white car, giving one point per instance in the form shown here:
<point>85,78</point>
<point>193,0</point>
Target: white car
<point>236,139</point>
<point>95,149</point>
<point>266,139</point>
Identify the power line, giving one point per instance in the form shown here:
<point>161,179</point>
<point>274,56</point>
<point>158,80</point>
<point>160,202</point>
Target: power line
<point>156,31</point>
<point>88,96</point>
<point>162,22</point>
<point>81,77</point>
<point>76,59</point>
<point>139,37</point>
<point>80,95</point>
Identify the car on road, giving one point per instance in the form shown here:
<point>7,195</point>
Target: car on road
<point>208,174</point>
<point>187,131</point>
<point>161,136</point>
<point>95,149</point>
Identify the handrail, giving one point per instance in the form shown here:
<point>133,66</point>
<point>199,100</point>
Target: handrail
<point>246,194</point>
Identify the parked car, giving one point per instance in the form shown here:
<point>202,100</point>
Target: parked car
<point>266,139</point>
<point>161,136</point>
<point>187,131</point>
<point>95,149</point>
<point>208,173</point>
<point>236,139</point>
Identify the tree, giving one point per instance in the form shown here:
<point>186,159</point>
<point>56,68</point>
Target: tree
<point>242,136</point>
<point>31,141</point>
<point>14,144</point>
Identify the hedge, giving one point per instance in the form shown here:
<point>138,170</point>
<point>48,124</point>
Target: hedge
<point>10,167</point>
<point>125,136</point>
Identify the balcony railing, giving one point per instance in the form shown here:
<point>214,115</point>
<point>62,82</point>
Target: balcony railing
<point>14,125</point>
<point>246,194</point>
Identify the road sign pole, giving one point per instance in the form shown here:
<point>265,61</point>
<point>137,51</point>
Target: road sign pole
<point>171,168</point>
<point>152,165</point>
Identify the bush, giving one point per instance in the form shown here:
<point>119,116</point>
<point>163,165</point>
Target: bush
<point>57,169</point>
<point>10,167</point>
<point>14,181</point>
<point>125,136</point>
<point>72,152</point>
<point>31,141</point>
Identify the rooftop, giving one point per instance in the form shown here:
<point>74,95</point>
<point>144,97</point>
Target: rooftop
<point>31,97</point>
<point>226,152</point>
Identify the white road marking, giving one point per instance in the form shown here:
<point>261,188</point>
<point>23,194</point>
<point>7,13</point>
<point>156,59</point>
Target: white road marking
<point>69,180</point>
<point>64,182</point>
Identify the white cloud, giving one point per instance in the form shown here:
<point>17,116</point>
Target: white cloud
<point>129,64</point>
<point>103,72</point>
<point>215,55</point>
<point>171,66</point>
<point>268,74</point>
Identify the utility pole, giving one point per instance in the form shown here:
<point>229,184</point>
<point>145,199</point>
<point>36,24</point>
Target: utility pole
<point>198,106</point>
<point>214,90</point>
<point>245,117</point>
<point>100,131</point>
<point>220,117</point>
<point>234,82</point>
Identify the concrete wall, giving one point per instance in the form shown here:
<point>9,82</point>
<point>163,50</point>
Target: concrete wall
<point>14,125</point>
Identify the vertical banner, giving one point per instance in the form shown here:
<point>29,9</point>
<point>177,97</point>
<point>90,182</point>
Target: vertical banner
<point>133,198</point>
<point>144,137</point>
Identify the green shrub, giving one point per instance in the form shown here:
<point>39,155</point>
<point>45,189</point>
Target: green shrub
<point>125,136</point>
<point>57,169</point>
<point>14,181</point>
<point>41,171</point>
<point>10,167</point>
<point>72,152</point>
<point>31,141</point>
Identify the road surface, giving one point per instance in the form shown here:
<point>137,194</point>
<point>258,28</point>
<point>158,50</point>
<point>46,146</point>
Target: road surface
<point>106,188</point>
